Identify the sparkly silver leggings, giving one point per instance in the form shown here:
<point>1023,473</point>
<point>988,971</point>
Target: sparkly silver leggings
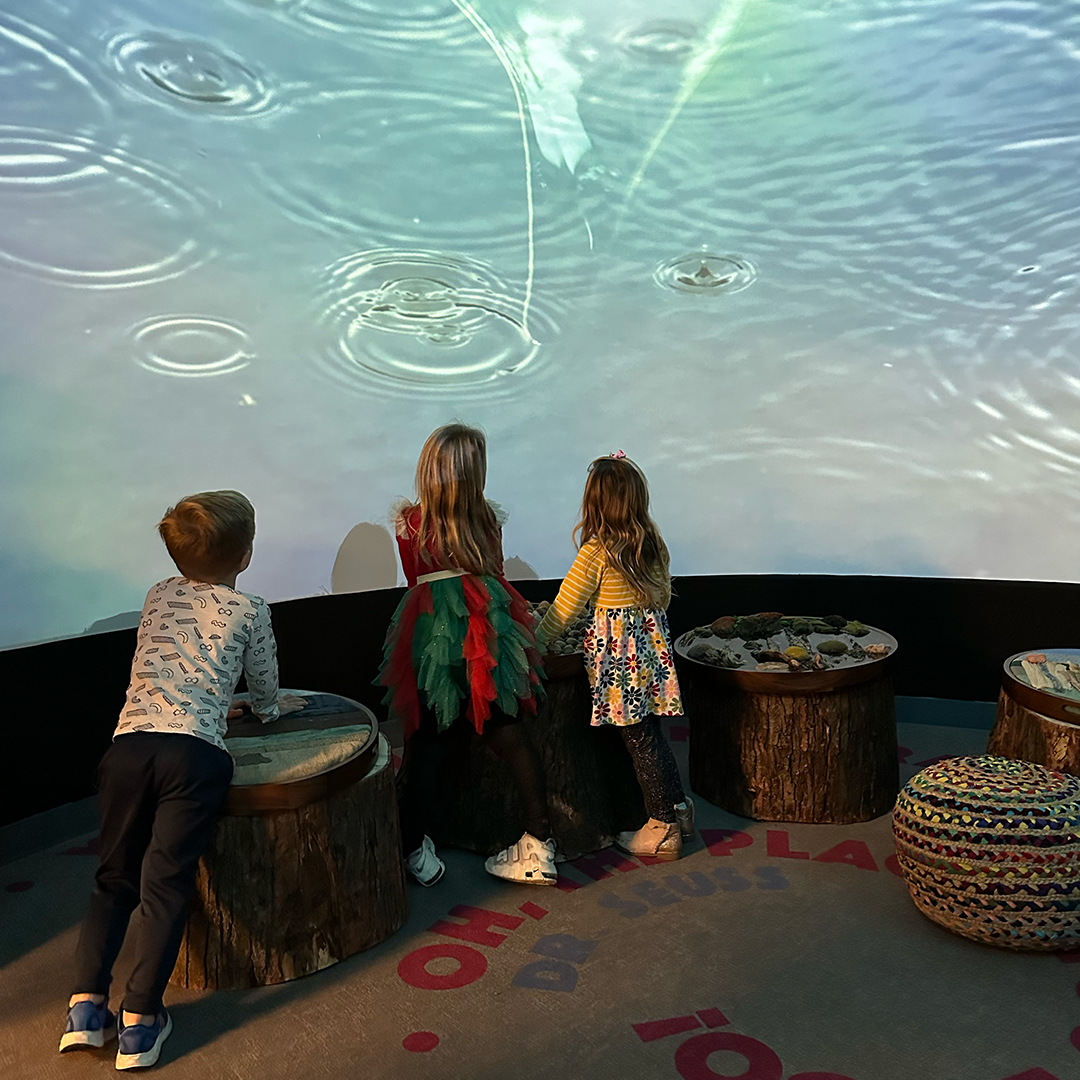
<point>655,766</point>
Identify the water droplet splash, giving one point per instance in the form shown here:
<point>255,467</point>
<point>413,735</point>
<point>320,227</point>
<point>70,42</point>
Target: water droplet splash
<point>423,319</point>
<point>668,42</point>
<point>191,346</point>
<point>704,272</point>
<point>186,72</point>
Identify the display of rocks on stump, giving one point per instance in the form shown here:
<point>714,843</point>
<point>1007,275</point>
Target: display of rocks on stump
<point>1038,714</point>
<point>792,717</point>
<point>592,790</point>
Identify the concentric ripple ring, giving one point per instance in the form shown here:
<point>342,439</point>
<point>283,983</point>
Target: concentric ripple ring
<point>421,319</point>
<point>84,214</point>
<point>190,346</point>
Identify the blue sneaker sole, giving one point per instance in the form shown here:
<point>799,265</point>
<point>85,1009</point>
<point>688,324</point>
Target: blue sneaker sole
<point>148,1057</point>
<point>86,1040</point>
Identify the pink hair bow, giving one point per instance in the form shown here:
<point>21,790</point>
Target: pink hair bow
<point>618,454</point>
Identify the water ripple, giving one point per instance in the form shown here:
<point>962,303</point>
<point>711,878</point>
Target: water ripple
<point>83,214</point>
<point>704,273</point>
<point>404,167</point>
<point>190,346</point>
<point>415,320</point>
<point>187,73</point>
<point>395,24</point>
<point>35,65</point>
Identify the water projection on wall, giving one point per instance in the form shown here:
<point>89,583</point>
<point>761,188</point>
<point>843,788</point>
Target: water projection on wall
<point>813,263</point>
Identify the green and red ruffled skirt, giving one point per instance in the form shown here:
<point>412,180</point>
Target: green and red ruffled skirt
<point>460,644</point>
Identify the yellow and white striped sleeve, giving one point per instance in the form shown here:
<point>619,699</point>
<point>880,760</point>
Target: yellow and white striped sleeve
<point>579,586</point>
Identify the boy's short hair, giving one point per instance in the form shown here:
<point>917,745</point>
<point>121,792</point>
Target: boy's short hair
<point>208,534</point>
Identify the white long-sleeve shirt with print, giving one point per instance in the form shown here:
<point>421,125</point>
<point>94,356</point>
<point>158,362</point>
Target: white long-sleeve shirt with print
<point>194,640</point>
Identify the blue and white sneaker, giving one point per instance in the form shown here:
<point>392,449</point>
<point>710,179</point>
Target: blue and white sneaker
<point>140,1045</point>
<point>424,865</point>
<point>88,1026</point>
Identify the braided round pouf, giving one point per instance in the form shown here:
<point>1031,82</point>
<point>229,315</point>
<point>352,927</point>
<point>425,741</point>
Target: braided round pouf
<point>990,848</point>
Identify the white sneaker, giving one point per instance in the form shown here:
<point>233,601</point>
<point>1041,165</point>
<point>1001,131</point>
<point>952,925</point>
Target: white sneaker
<point>685,818</point>
<point>424,864</point>
<point>528,862</point>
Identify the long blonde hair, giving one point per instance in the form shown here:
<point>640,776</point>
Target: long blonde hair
<point>615,513</point>
<point>456,522</point>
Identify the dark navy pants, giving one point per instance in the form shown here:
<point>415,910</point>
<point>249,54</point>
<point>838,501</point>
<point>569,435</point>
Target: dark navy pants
<point>159,796</point>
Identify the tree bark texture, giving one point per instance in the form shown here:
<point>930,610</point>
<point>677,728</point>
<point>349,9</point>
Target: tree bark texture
<point>1025,735</point>
<point>284,894</point>
<point>826,758</point>
<point>592,789</point>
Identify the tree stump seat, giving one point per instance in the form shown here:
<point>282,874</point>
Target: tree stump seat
<point>796,746</point>
<point>592,789</point>
<point>1038,714</point>
<point>305,868</point>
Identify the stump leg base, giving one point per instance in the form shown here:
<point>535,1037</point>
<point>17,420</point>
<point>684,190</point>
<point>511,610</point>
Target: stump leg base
<point>285,894</point>
<point>1025,735</point>
<point>815,758</point>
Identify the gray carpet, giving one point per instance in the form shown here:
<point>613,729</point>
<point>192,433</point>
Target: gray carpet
<point>745,959</point>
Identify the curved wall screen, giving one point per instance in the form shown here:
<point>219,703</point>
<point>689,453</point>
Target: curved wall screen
<point>812,264</point>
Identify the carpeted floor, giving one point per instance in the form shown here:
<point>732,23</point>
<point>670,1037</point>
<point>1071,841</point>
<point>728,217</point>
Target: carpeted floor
<point>769,952</point>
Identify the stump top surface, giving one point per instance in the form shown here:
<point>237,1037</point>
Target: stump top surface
<point>849,669</point>
<point>1055,672</point>
<point>301,757</point>
<point>1046,681</point>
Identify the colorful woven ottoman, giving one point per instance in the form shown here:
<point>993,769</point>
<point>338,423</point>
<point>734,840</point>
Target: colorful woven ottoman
<point>990,849</point>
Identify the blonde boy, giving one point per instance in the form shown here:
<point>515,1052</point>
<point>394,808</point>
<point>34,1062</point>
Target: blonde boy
<point>163,779</point>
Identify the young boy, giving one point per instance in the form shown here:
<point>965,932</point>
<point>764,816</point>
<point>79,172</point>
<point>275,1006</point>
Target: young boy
<point>166,774</point>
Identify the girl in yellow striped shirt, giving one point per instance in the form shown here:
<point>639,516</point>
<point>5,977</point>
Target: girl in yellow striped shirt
<point>621,571</point>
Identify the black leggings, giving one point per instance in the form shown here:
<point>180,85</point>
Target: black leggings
<point>655,766</point>
<point>418,787</point>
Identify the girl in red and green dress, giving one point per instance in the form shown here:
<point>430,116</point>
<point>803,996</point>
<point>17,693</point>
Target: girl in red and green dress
<point>460,652</point>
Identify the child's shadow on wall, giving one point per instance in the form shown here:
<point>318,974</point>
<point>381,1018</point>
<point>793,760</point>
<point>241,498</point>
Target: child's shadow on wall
<point>367,559</point>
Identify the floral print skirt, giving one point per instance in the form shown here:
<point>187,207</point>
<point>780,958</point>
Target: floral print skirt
<point>631,666</point>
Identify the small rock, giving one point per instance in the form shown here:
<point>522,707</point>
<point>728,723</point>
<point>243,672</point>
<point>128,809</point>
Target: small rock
<point>832,648</point>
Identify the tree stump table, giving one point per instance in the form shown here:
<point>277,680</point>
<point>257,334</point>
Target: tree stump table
<point>306,865</point>
<point>592,789</point>
<point>813,746</point>
<point>1038,714</point>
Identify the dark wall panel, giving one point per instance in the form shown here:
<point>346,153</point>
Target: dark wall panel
<point>62,698</point>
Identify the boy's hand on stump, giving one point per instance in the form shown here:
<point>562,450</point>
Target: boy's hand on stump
<point>288,703</point>
<point>237,709</point>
